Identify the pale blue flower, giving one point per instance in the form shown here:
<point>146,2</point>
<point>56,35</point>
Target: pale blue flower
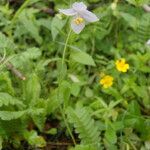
<point>81,16</point>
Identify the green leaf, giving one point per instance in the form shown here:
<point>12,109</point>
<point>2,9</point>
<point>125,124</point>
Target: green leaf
<point>64,95</point>
<point>110,135</point>
<point>138,2</point>
<point>52,102</point>
<point>45,23</point>
<point>131,20</point>
<point>22,59</point>
<point>39,121</point>
<point>134,108</point>
<point>6,44</point>
<point>31,53</point>
<point>31,26</point>
<point>75,89</point>
<point>6,99</point>
<point>56,26</point>
<point>52,131</point>
<point>84,125</point>
<point>83,58</point>
<point>10,115</point>
<point>6,83</point>
<point>32,90</point>
<point>34,140</point>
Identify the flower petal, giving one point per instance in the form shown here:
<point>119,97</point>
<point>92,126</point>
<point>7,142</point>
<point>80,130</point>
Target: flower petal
<point>79,6</point>
<point>68,12</point>
<point>148,42</point>
<point>77,28</point>
<point>89,16</point>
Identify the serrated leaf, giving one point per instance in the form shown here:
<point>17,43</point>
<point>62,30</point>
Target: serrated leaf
<point>6,44</point>
<point>32,90</point>
<point>110,135</point>
<point>6,83</point>
<point>10,115</point>
<point>31,53</point>
<point>6,99</point>
<point>84,125</point>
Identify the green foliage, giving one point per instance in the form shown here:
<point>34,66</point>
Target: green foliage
<point>6,99</point>
<point>61,99</point>
<point>56,26</point>
<point>138,2</point>
<point>84,125</point>
<point>27,19</point>
<point>34,139</point>
<point>82,58</point>
<point>83,147</point>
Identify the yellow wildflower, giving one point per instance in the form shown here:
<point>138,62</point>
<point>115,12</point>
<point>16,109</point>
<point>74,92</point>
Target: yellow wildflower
<point>121,65</point>
<point>78,20</point>
<point>107,81</point>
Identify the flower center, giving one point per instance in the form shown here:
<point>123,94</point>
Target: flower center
<point>78,20</point>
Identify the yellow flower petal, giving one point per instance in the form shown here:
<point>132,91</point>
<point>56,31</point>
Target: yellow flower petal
<point>107,81</point>
<point>121,65</point>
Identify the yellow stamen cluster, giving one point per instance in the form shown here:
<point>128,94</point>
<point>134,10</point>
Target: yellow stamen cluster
<point>78,20</point>
<point>121,65</point>
<point>107,81</point>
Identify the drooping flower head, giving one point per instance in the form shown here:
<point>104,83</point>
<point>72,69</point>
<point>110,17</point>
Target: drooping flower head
<point>81,16</point>
<point>106,81</point>
<point>121,65</point>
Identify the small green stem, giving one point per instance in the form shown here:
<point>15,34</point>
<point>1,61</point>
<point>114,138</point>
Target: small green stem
<point>65,48</point>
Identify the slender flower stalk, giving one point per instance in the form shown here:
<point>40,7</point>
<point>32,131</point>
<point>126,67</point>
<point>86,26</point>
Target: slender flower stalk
<point>59,83</point>
<point>81,16</point>
<point>65,48</point>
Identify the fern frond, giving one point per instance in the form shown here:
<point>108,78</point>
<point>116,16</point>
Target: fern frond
<point>84,126</point>
<point>10,115</point>
<point>6,99</point>
<point>6,44</point>
<point>143,32</point>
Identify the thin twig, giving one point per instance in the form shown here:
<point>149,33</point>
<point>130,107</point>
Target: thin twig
<point>15,71</point>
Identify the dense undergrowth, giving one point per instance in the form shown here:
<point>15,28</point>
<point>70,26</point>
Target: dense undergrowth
<point>82,101</point>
